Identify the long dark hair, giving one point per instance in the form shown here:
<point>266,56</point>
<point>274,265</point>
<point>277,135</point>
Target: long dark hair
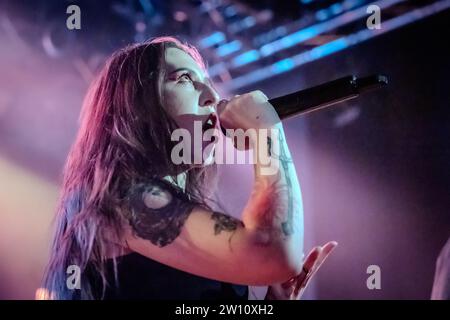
<point>124,135</point>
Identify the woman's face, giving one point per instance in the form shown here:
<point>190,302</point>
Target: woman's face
<point>189,98</point>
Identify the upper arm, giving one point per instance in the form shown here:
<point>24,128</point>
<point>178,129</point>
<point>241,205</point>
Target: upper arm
<point>165,226</point>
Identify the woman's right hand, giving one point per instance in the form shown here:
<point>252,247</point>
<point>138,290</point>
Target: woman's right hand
<point>248,111</point>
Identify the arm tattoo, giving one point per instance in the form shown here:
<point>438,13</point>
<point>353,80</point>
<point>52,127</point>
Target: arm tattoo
<point>287,226</point>
<point>158,211</point>
<point>224,222</point>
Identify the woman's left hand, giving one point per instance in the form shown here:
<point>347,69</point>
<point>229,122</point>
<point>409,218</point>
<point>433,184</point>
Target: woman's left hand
<point>293,288</point>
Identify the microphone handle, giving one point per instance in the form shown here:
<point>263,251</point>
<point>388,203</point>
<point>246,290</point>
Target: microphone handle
<point>324,95</point>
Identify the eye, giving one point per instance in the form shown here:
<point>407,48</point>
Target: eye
<point>185,77</point>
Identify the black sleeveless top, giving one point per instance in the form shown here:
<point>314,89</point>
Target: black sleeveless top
<point>142,278</point>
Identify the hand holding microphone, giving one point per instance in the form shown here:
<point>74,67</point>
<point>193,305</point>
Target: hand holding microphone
<point>248,111</point>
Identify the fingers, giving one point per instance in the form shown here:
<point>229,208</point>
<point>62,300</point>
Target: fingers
<point>289,284</point>
<point>294,287</point>
<point>221,106</point>
<point>329,246</point>
<point>326,251</point>
<point>311,258</point>
<point>307,265</point>
<point>307,269</point>
<point>312,263</point>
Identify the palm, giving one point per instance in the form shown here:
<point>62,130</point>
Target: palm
<point>293,288</point>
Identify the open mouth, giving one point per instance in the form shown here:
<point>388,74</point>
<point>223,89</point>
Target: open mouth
<point>210,122</point>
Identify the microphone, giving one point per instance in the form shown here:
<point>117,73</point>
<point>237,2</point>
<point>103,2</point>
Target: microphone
<point>325,95</point>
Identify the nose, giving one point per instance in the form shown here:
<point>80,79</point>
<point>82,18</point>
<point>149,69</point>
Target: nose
<point>209,97</point>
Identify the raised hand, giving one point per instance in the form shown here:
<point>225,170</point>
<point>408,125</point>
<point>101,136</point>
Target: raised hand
<point>293,288</point>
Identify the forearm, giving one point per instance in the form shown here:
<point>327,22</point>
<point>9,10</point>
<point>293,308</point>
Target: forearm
<point>275,211</point>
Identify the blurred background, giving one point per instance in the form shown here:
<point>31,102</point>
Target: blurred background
<point>374,171</point>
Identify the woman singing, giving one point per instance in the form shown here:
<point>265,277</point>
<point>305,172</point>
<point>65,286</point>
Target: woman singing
<point>138,225</point>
